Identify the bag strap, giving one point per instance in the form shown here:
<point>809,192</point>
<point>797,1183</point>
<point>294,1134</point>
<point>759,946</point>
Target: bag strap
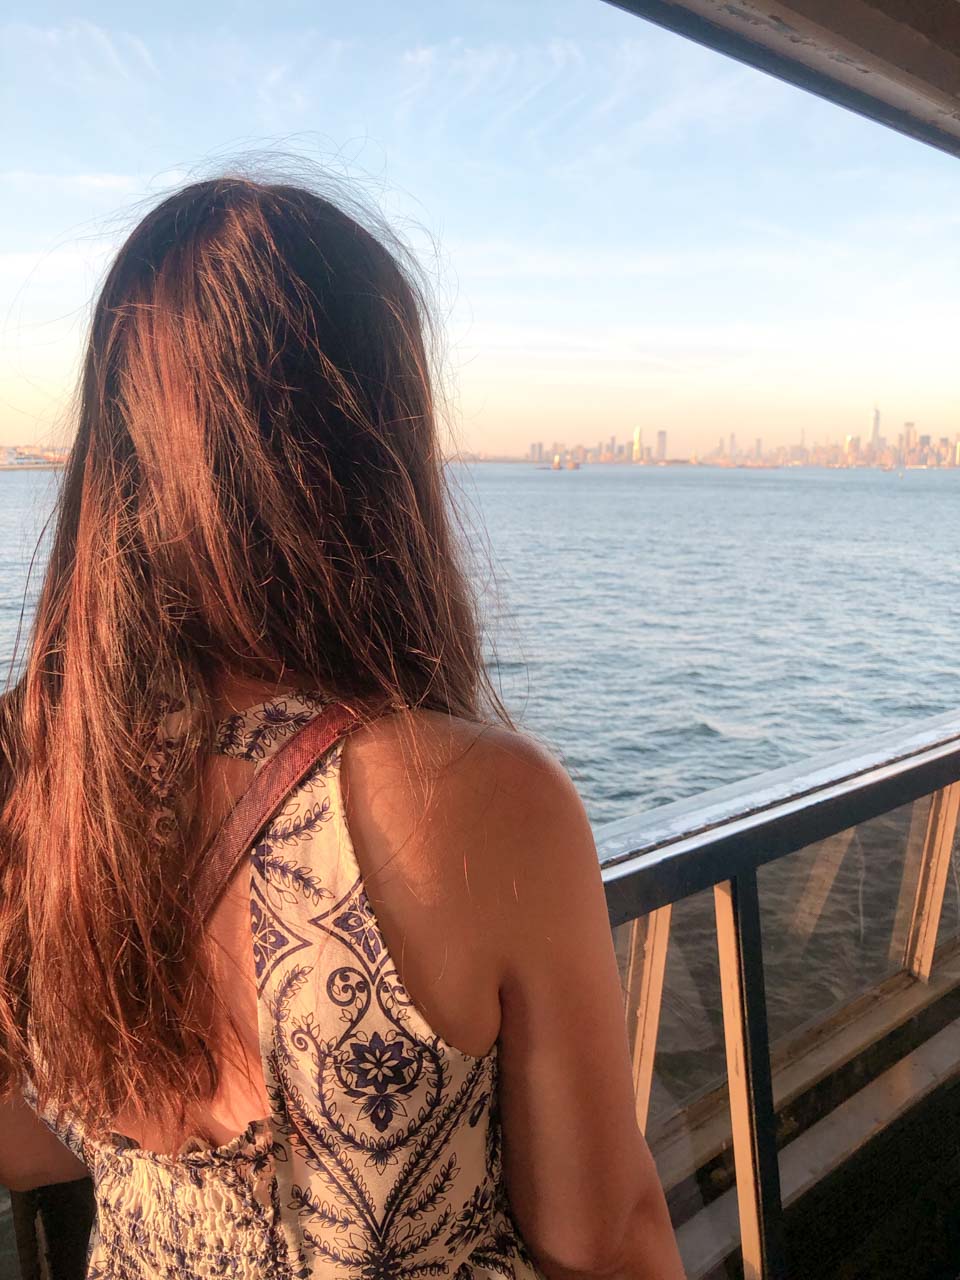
<point>270,787</point>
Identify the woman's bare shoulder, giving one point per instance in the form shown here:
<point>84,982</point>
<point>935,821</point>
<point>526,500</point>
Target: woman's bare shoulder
<point>449,796</point>
<point>456,825</point>
<point>431,748</point>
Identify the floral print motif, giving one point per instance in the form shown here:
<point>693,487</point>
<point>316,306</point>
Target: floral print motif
<point>381,1158</point>
<point>359,924</point>
<point>273,940</point>
<point>382,1073</point>
<point>256,733</point>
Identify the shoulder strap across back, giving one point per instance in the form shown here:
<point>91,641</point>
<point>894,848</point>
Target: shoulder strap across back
<point>266,793</point>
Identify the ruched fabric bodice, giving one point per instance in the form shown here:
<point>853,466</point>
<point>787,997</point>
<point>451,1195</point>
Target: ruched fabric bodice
<point>381,1158</point>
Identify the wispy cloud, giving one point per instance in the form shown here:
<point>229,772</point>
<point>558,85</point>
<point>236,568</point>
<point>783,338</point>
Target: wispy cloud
<point>78,51</point>
<point>496,85</point>
<point>288,87</point>
<point>583,105</point>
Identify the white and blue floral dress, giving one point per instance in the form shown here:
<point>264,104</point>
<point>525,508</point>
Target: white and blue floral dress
<point>381,1159</point>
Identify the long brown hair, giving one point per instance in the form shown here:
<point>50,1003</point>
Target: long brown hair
<point>255,488</point>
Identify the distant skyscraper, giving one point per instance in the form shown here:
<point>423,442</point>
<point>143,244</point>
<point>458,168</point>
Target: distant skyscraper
<point>733,445</point>
<point>758,449</point>
<point>637,445</point>
<point>661,446</point>
<point>875,434</point>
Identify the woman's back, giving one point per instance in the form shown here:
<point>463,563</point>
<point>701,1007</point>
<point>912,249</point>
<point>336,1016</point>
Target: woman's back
<point>375,1146</point>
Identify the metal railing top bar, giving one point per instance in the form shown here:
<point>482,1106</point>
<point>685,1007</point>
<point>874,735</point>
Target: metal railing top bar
<point>669,853</point>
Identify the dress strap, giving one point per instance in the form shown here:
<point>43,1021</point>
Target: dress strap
<point>267,792</point>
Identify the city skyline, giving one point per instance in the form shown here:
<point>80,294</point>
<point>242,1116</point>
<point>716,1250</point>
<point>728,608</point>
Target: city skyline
<point>909,447</point>
<point>616,225</point>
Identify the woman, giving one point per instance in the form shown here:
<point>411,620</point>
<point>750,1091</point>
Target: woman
<point>391,1043</point>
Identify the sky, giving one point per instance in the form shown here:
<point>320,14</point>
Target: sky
<point>620,229</point>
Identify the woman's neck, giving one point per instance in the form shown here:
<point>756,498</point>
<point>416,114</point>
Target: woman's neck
<point>232,693</point>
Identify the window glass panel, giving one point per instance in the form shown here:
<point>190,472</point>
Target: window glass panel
<point>689,1048</point>
<point>836,916</point>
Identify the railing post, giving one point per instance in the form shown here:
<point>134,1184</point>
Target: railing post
<point>25,1210</point>
<point>646,966</point>
<point>913,857</point>
<point>52,1226</point>
<point>752,1115</point>
<point>932,881</point>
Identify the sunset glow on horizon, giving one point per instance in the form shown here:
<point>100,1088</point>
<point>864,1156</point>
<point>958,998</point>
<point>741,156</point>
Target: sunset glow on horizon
<point>621,229</point>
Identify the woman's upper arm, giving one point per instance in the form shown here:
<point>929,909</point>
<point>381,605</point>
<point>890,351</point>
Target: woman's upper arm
<point>30,1154</point>
<point>575,1162</point>
<point>493,848</point>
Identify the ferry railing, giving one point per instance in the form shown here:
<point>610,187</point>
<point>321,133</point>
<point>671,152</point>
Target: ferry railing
<point>718,842</point>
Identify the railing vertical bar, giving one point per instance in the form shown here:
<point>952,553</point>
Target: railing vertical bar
<point>752,1115</point>
<point>910,880</point>
<point>24,1208</point>
<point>651,957</point>
<point>932,882</point>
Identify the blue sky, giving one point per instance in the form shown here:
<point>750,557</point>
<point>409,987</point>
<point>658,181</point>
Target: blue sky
<point>621,229</point>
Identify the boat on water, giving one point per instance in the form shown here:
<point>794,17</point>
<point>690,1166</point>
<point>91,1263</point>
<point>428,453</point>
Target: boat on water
<point>827,1142</point>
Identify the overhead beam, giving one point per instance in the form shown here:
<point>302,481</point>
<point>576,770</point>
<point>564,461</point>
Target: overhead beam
<point>893,61</point>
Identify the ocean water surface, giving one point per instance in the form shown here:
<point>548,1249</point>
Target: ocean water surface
<point>669,630</point>
<point>673,629</point>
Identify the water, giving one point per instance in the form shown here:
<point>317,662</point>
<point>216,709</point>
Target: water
<point>671,630</point>
<point>674,629</point>
<point>26,503</point>
<point>668,630</point>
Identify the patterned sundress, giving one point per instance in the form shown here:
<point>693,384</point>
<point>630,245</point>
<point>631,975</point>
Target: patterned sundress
<point>381,1158</point>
